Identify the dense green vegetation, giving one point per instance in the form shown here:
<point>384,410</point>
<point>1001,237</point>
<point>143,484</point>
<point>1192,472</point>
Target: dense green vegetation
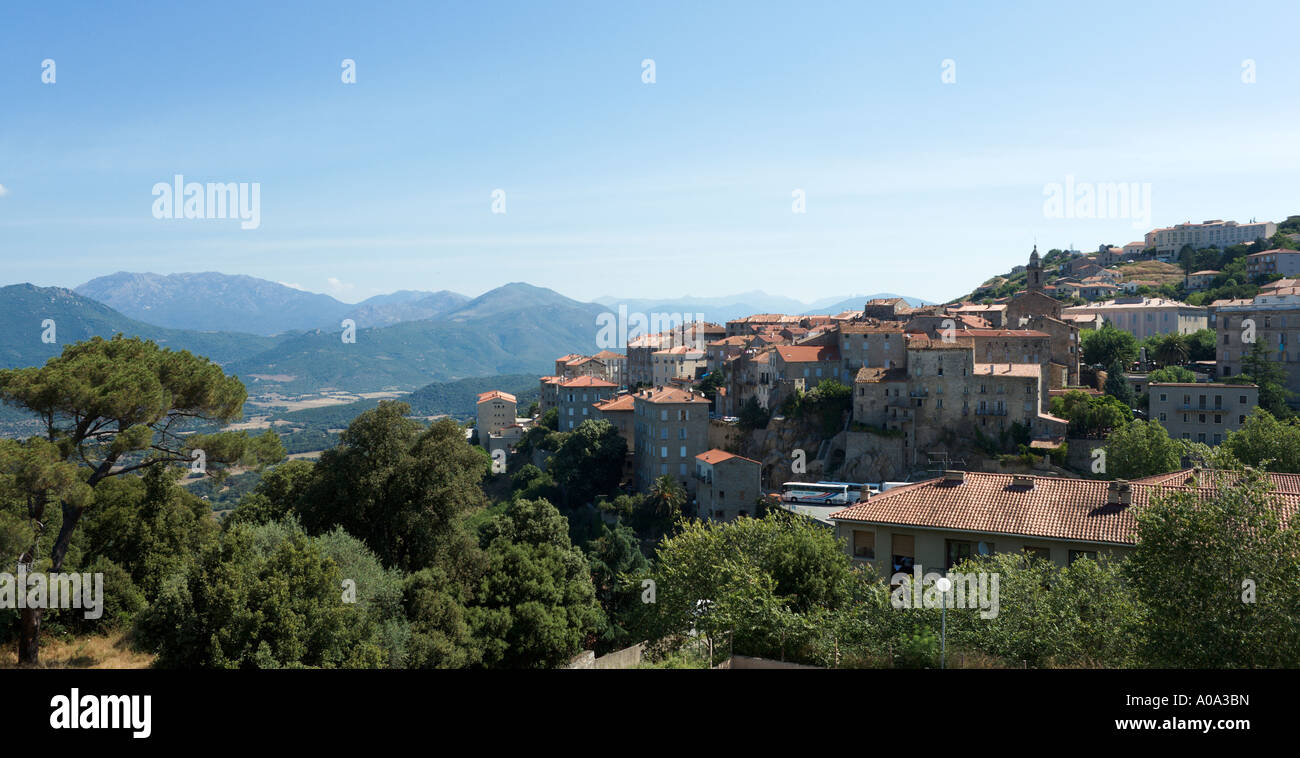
<point>1091,415</point>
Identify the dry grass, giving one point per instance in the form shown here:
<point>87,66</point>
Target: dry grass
<point>1156,271</point>
<point>91,652</point>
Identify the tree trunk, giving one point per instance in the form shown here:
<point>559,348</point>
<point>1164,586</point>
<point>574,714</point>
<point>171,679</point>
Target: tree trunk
<point>30,618</point>
<point>71,515</point>
<point>29,651</point>
<point>30,635</point>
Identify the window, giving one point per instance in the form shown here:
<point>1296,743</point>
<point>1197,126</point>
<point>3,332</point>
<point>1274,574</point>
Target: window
<point>683,453</point>
<point>1077,554</point>
<point>904,547</point>
<point>957,551</point>
<point>864,544</point>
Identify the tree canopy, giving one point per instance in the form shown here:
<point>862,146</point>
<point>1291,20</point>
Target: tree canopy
<point>1107,345</point>
<point>110,408</point>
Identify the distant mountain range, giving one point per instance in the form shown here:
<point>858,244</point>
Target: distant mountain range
<point>25,307</point>
<point>517,328</point>
<point>211,301</point>
<point>404,305</point>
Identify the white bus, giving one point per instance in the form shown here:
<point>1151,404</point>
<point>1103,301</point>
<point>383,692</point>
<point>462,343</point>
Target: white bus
<point>818,493</point>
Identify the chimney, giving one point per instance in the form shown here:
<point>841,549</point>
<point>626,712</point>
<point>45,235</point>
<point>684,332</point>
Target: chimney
<point>956,477</point>
<point>1119,492</point>
<point>1022,480</point>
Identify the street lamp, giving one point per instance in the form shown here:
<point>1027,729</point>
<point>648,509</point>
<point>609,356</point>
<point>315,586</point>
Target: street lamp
<point>943,585</point>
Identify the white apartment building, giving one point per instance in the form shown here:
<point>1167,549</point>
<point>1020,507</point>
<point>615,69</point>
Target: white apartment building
<point>1216,233</point>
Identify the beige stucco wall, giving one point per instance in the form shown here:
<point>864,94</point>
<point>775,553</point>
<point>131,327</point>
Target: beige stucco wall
<point>931,545</point>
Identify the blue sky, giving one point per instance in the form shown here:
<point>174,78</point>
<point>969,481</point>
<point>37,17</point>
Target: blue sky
<point>617,187</point>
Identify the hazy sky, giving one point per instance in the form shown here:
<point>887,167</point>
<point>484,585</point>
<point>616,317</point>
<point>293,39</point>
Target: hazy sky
<point>618,187</point>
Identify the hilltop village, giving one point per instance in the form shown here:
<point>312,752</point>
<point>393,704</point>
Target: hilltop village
<point>814,413</point>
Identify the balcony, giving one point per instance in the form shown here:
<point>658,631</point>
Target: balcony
<point>918,393</point>
<point>990,411</point>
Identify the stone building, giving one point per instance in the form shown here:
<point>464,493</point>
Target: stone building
<point>681,362</point>
<point>944,391</point>
<point>496,411</point>
<point>549,396</point>
<point>576,398</point>
<point>1146,316</point>
<point>869,345</point>
<point>727,485</point>
<point>1199,411</point>
<point>671,427</point>
<point>1272,319</point>
<point>619,411</point>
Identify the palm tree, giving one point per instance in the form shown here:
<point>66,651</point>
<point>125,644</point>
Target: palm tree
<point>667,495</point>
<point>1172,350</point>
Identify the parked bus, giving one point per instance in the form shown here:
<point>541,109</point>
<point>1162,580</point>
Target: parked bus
<point>818,493</point>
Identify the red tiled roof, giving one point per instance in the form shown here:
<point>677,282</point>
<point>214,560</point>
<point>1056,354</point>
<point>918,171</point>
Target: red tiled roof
<point>1007,369</point>
<point>620,403</point>
<point>1053,508</point>
<point>717,456</point>
<point>494,394</point>
<point>1008,333</point>
<point>587,381</point>
<point>740,340</point>
<point>681,350</point>
<point>808,353</point>
<point>923,341</point>
<point>670,395</point>
<point>1209,479</point>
